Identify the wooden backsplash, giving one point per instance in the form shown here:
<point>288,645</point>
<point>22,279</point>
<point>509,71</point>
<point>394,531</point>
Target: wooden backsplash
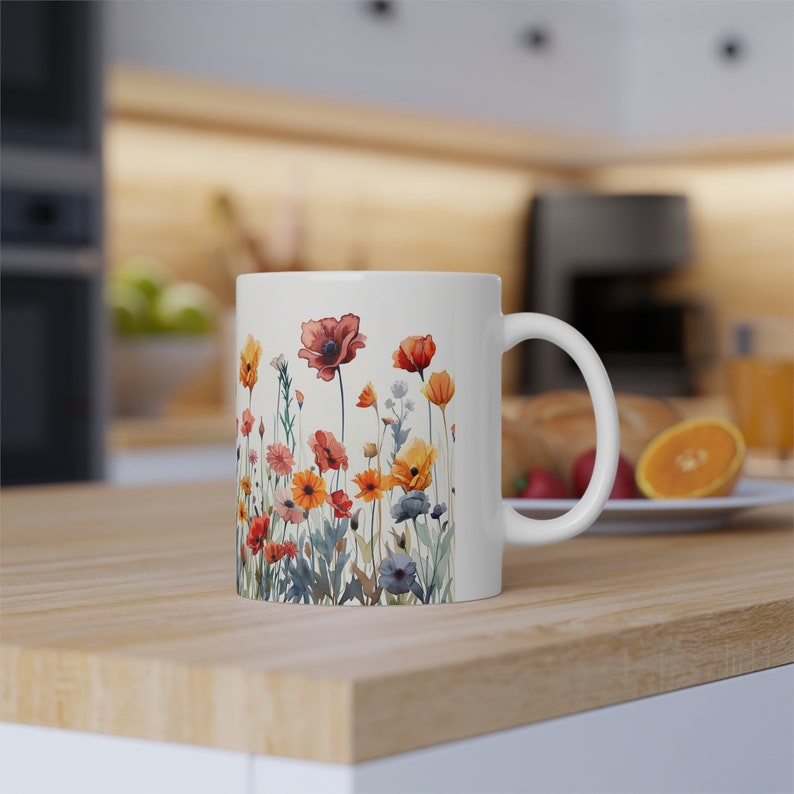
<point>358,209</point>
<point>362,208</point>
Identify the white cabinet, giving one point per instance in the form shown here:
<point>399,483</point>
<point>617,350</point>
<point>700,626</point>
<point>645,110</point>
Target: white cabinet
<point>35,760</point>
<point>728,736</point>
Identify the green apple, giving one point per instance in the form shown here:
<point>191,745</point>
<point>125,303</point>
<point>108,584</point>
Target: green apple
<point>129,308</point>
<point>185,308</point>
<point>145,273</point>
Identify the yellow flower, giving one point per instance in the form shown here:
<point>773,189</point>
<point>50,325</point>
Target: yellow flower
<point>245,485</point>
<point>242,513</point>
<point>308,490</point>
<point>249,362</point>
<point>412,467</point>
<point>439,389</point>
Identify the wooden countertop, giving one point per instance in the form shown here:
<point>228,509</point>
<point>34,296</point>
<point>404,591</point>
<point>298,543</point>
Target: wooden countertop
<point>119,616</point>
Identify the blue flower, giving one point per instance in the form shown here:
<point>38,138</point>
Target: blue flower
<point>399,389</point>
<point>389,403</point>
<point>411,505</point>
<point>409,405</point>
<point>439,510</point>
<point>398,576</point>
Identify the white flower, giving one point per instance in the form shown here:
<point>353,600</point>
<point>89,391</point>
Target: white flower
<point>399,389</point>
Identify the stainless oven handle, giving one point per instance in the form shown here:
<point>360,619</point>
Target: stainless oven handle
<point>45,261</point>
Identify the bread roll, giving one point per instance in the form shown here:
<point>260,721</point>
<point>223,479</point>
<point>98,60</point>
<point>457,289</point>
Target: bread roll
<point>564,426</point>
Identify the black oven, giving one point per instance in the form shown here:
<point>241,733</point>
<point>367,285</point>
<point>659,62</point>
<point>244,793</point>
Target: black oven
<point>52,403</point>
<point>45,70</point>
<point>48,355</point>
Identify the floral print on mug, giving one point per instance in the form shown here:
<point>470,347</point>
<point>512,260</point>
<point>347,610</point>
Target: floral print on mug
<point>321,523</point>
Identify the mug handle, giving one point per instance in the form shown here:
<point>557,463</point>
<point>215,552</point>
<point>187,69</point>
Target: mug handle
<point>534,532</point>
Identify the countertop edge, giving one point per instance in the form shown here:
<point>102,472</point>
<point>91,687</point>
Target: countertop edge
<point>341,719</point>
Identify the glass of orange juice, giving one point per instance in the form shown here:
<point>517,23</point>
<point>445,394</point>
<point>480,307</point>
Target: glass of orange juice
<point>760,379</point>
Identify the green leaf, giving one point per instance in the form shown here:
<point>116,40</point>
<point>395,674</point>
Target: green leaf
<point>324,542</point>
<point>352,590</point>
<point>368,583</point>
<point>446,541</point>
<point>364,547</point>
<point>423,533</point>
<point>339,571</point>
<point>341,529</point>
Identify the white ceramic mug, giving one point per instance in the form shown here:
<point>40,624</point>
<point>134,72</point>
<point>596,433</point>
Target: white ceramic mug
<point>369,437</point>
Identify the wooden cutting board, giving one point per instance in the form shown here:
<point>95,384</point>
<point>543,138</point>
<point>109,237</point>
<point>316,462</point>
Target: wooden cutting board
<point>119,616</point>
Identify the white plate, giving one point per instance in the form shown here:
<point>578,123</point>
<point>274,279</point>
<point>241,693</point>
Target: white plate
<point>638,516</point>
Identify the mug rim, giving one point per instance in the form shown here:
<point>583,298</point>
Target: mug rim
<point>356,275</point>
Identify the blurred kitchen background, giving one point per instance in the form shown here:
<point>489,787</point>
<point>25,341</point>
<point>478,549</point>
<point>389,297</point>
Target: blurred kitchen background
<point>627,165</point>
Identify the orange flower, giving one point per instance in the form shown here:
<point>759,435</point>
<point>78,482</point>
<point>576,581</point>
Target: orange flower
<point>439,389</point>
<point>367,397</point>
<point>242,513</point>
<point>249,362</point>
<point>372,485</point>
<point>415,353</point>
<point>412,467</point>
<point>273,552</point>
<point>308,490</point>
<point>299,397</point>
<point>245,485</point>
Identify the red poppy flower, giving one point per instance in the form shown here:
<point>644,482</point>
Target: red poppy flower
<point>341,503</point>
<point>328,452</point>
<point>257,533</point>
<point>290,549</point>
<point>247,425</point>
<point>415,353</point>
<point>329,343</point>
<point>273,552</point>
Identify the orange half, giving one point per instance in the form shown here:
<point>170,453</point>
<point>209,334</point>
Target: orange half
<point>692,459</point>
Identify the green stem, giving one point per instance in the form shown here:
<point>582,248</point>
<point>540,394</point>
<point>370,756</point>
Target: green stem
<point>449,464</point>
<point>430,424</point>
<point>342,395</point>
<point>372,537</point>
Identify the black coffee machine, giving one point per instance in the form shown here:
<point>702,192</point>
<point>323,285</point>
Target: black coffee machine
<point>600,262</point>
